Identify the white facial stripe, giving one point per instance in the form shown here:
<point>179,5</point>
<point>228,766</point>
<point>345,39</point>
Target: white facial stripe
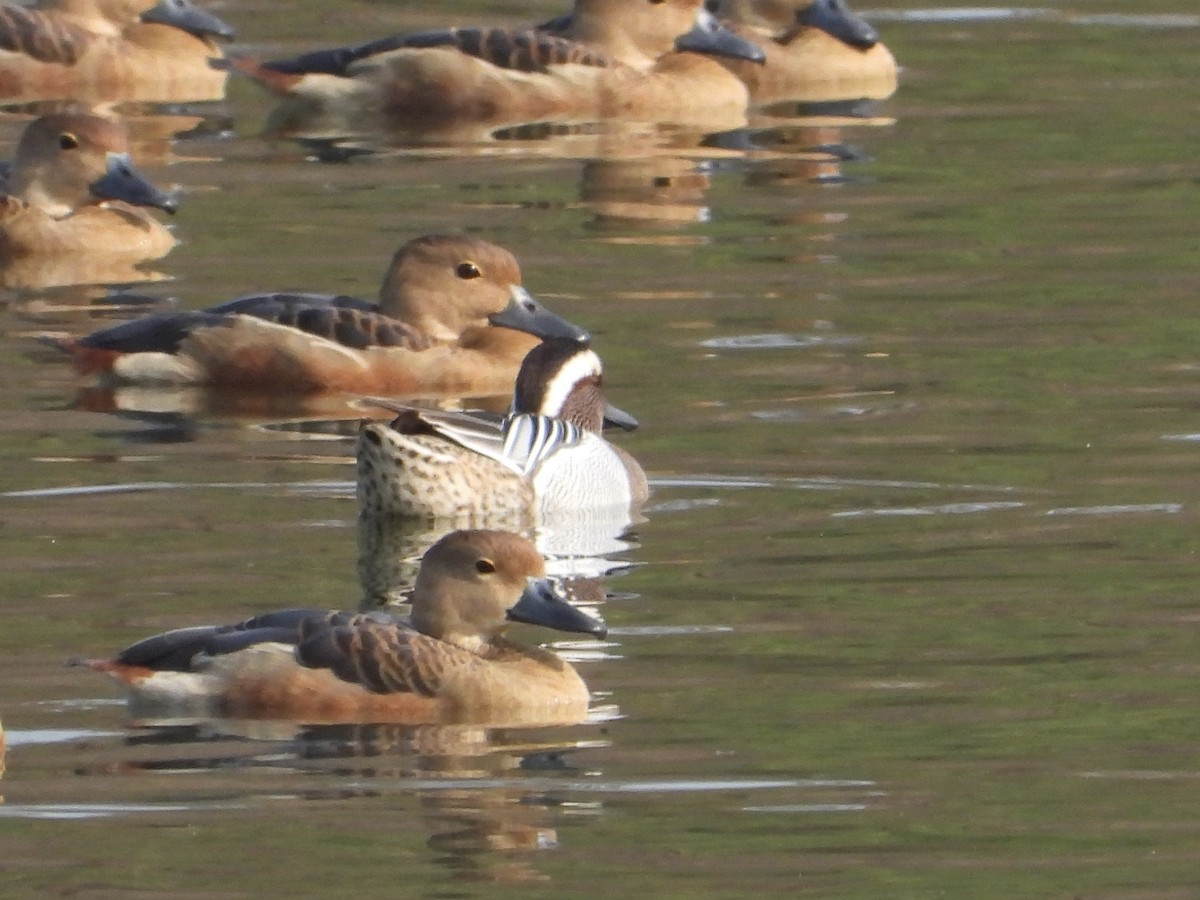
<point>584,364</point>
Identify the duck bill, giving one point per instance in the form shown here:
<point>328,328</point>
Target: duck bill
<point>710,36</point>
<point>122,181</point>
<point>838,20</point>
<point>618,418</point>
<point>543,604</point>
<point>523,313</point>
<point>186,16</point>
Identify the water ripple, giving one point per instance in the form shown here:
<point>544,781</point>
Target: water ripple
<point>658,630</point>
<point>964,14</point>
<point>101,810</point>
<point>1117,509</point>
<point>777,341</point>
<point>682,785</point>
<point>808,808</point>
<point>951,509</point>
<point>27,737</point>
<point>133,487</point>
<point>820,483</point>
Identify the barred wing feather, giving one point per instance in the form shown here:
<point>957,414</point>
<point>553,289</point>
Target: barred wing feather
<point>529,440</point>
<point>519,443</point>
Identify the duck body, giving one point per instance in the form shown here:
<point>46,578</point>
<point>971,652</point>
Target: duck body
<point>72,190</point>
<point>815,51</point>
<point>610,59</point>
<point>547,456</point>
<point>106,49</point>
<point>452,318</point>
<point>449,662</point>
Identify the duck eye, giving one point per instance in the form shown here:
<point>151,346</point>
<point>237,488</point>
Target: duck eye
<point>485,566</point>
<point>68,141</point>
<point>468,270</point>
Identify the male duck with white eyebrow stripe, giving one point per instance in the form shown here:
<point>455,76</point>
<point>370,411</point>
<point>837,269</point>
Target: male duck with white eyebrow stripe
<point>547,455</point>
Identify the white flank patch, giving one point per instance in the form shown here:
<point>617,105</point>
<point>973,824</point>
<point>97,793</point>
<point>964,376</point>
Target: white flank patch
<point>157,368</point>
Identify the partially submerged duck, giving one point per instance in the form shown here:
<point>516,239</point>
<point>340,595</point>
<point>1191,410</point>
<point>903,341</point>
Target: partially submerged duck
<point>449,662</point>
<point>452,318</point>
<point>816,50</point>
<point>73,190</point>
<point>110,49</point>
<point>547,455</point>
<point>608,59</point>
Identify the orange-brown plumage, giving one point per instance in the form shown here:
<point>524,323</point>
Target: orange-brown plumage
<point>608,59</point>
<point>73,203</point>
<point>448,662</point>
<point>104,49</point>
<point>452,317</point>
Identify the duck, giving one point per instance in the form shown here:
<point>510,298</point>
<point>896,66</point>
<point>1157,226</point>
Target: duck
<point>73,190</point>
<point>546,456</point>
<point>452,318</point>
<point>815,51</point>
<point>448,662</point>
<point>628,59</point>
<point>110,49</point>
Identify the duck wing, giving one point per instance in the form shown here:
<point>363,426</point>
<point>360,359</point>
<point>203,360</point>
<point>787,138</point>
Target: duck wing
<point>520,443</point>
<point>385,657</point>
<point>529,440</point>
<point>525,50</point>
<point>347,321</point>
<point>155,333</point>
<point>181,649</point>
<point>47,39</point>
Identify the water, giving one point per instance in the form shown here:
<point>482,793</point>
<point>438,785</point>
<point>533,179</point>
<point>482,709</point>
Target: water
<point>913,610</point>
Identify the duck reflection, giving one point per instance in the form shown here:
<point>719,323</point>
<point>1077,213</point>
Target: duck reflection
<point>487,800</point>
<point>478,834</point>
<point>655,192</point>
<point>580,551</point>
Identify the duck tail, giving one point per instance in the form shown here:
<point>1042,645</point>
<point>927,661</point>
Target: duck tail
<point>88,360</point>
<point>85,662</point>
<point>114,669</point>
<point>58,342</point>
<point>275,81</point>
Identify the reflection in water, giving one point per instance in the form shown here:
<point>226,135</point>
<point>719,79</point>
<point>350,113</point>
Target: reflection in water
<point>479,834</point>
<point>30,272</point>
<point>579,550</point>
<point>640,179</point>
<point>806,144</point>
<point>51,311</point>
<point>481,823</point>
<point>651,192</point>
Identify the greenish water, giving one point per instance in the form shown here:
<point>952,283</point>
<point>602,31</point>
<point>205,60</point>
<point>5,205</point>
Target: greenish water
<point>913,610</point>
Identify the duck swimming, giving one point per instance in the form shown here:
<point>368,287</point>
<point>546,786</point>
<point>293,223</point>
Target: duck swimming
<point>449,662</point>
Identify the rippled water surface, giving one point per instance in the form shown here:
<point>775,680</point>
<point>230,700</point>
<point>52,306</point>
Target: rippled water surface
<point>913,610</point>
